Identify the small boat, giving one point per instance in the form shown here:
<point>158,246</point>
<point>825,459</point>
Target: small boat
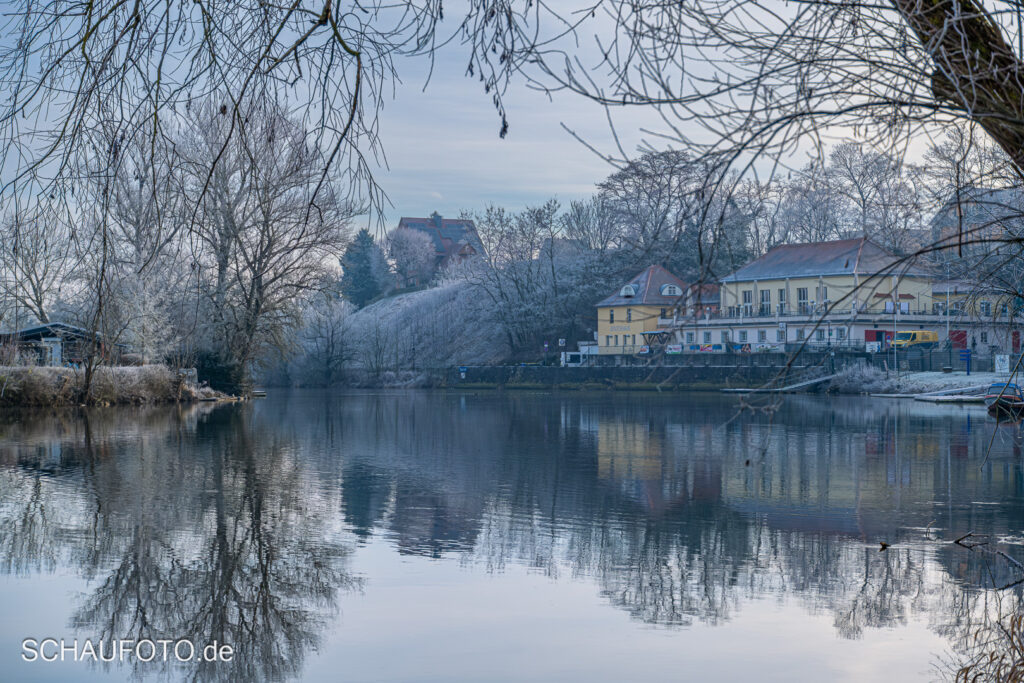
<point>1004,397</point>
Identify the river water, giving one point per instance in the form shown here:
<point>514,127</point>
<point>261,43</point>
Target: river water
<point>508,536</point>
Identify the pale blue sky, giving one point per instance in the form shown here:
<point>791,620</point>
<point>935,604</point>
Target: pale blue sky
<point>444,153</point>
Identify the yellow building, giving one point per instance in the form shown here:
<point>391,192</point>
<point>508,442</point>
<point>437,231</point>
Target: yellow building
<point>637,307</point>
<point>848,276</point>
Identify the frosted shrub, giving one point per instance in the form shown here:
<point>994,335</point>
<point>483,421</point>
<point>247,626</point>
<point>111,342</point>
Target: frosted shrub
<point>863,379</point>
<point>47,386</point>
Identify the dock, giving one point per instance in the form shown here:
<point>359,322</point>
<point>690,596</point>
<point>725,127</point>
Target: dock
<point>782,390</point>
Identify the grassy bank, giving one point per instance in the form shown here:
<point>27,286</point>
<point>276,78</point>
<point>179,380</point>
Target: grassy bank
<point>46,386</point>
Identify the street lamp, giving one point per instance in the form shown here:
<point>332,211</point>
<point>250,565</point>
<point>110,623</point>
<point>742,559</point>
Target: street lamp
<point>895,309</point>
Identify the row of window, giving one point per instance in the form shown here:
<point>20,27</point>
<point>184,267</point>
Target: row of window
<point>629,314</point>
<point>762,336</point>
<point>613,340</point>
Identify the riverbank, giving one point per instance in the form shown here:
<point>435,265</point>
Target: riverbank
<point>869,380</point>
<point>49,386</point>
<point>625,378</point>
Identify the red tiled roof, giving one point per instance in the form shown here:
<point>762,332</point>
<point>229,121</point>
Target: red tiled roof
<point>450,236</point>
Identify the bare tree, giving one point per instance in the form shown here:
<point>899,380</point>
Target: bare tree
<point>264,240</point>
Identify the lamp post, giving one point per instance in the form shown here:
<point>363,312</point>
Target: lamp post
<point>946,312</point>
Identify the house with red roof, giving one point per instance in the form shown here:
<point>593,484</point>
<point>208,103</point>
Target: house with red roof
<point>638,310</point>
<point>454,239</point>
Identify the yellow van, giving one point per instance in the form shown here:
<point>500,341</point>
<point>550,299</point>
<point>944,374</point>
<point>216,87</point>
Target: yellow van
<point>918,339</point>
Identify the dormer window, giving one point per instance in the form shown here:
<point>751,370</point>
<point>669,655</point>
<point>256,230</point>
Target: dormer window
<point>628,291</point>
<point>670,290</point>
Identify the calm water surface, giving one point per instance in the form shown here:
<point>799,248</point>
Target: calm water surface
<point>431,536</point>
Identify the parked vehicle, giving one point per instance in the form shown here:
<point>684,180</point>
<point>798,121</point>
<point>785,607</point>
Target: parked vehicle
<point>917,339</point>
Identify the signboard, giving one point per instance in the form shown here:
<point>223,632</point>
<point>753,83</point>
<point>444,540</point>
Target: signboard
<point>873,346</point>
<point>1002,363</point>
<point>561,342</point>
<point>965,356</point>
<point>674,348</point>
<point>645,349</point>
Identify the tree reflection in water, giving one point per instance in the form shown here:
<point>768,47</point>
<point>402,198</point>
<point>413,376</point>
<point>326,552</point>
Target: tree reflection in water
<point>198,524</point>
<point>234,523</point>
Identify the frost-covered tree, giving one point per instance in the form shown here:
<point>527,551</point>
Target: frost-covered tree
<point>36,261</point>
<point>413,256</point>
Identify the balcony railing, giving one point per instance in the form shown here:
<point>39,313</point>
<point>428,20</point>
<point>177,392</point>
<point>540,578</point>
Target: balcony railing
<point>814,313</point>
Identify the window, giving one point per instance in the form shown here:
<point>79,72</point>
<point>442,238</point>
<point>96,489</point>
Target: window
<point>611,315</point>
<point>743,336</point>
<point>628,291</point>
<point>670,290</point>
<point>766,302</point>
<point>664,313</point>
<point>800,334</point>
<point>986,308</point>
<point>629,315</point>
<point>762,335</point>
<point>801,299</point>
<point>608,340</point>
<point>616,340</point>
<point>725,336</point>
<point>820,335</point>
<point>707,337</point>
<point>748,301</point>
<point>823,294</point>
<point>780,335</point>
<point>984,337</point>
<point>782,301</point>
<point>1004,309</point>
<point>689,337</point>
<point>841,333</point>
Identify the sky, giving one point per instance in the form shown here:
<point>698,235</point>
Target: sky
<point>444,153</point>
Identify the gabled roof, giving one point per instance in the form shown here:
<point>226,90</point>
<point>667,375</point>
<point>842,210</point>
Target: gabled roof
<point>449,235</point>
<point>52,329</point>
<point>812,259</point>
<point>648,284</point>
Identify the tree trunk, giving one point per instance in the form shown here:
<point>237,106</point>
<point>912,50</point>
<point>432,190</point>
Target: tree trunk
<point>976,70</point>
